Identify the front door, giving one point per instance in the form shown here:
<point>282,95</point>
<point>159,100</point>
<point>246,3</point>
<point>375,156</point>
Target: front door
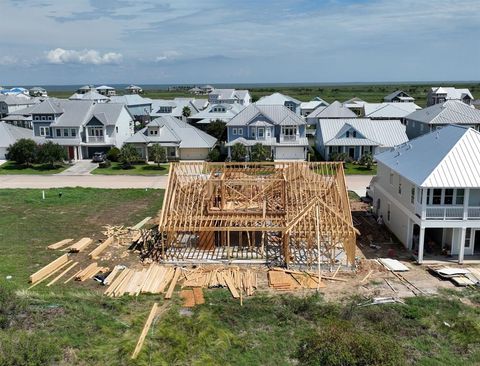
<point>476,242</point>
<point>351,152</point>
<point>71,153</point>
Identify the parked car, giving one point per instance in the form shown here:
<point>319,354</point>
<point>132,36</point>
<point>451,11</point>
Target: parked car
<point>98,157</point>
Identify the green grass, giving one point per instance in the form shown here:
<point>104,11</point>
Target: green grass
<point>137,169</point>
<point>11,167</point>
<point>356,169</point>
<point>73,325</point>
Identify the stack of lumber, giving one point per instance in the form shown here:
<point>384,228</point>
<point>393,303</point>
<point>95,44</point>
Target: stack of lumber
<point>59,244</point>
<point>50,269</point>
<point>90,271</point>
<point>94,254</point>
<point>123,235</point>
<point>288,280</point>
<point>80,245</point>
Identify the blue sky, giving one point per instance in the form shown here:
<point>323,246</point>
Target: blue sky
<point>196,41</point>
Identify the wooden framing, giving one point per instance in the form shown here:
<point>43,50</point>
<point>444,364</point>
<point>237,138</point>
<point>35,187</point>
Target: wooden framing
<point>300,210</point>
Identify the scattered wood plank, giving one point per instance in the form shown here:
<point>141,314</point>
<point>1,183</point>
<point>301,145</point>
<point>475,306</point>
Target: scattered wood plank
<point>390,285</point>
<point>198,295</point>
<point>231,286</point>
<point>80,245</point>
<point>88,272</point>
<point>173,283</point>
<point>146,327</point>
<point>48,269</point>
<point>71,278</point>
<point>62,274</point>
<point>50,274</point>
<point>367,276</point>
<point>141,223</point>
<point>98,250</point>
<point>188,298</point>
<point>111,276</point>
<point>59,244</point>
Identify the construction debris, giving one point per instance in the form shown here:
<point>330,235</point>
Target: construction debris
<point>89,272</point>
<point>393,265</point>
<point>459,276</point>
<point>62,274</point>
<point>60,244</point>
<point>141,223</point>
<point>80,245</point>
<point>288,280</point>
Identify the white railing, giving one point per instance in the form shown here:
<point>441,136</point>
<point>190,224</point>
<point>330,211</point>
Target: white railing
<point>288,138</point>
<point>474,213</point>
<point>96,139</point>
<point>444,213</point>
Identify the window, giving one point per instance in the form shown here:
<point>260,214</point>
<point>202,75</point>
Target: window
<point>391,177</point>
<point>36,118</point>
<point>116,129</point>
<point>460,196</point>
<point>399,185</point>
<point>73,132</point>
<point>58,132</point>
<point>448,198</point>
<point>468,236</point>
<point>235,131</point>
<point>388,212</point>
<point>347,134</point>
<point>65,132</point>
<point>261,132</point>
<point>354,133</point>
<point>437,197</point>
<point>43,118</point>
<point>240,131</point>
<point>153,132</point>
<point>412,195</point>
<point>44,131</point>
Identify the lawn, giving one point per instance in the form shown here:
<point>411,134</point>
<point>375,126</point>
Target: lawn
<point>356,169</point>
<point>68,325</point>
<point>137,169</point>
<point>10,167</point>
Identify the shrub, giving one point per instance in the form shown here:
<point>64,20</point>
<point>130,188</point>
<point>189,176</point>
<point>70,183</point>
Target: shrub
<point>113,154</point>
<point>342,344</point>
<point>367,160</point>
<point>217,129</point>
<point>24,151</point>
<point>51,153</point>
<point>258,152</point>
<point>105,164</point>
<point>214,155</point>
<point>158,154</point>
<point>238,152</point>
<point>128,156</point>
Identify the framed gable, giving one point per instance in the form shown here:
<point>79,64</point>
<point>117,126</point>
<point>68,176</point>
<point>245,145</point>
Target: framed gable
<point>94,121</point>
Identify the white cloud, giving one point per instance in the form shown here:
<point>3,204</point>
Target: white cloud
<point>167,55</point>
<point>92,57</point>
<point>8,60</point>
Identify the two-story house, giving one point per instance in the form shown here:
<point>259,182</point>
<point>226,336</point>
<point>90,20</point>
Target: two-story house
<point>175,107</point>
<point>181,140</point>
<point>229,96</point>
<point>333,111</point>
<point>357,136</point>
<point>83,127</point>
<point>12,103</point>
<point>281,99</point>
<point>428,192</point>
<point>308,107</point>
<point>216,112</point>
<point>440,115</point>
<point>399,96</point>
<point>274,126</point>
<point>441,94</point>
<point>133,89</point>
<point>388,110</point>
<point>137,105</point>
<point>106,90</point>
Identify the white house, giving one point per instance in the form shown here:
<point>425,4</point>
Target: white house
<point>10,134</point>
<point>399,96</point>
<point>308,107</point>
<point>442,94</point>
<point>428,192</point>
<point>229,96</point>
<point>220,112</point>
<point>388,110</point>
<point>280,99</point>
<point>332,111</point>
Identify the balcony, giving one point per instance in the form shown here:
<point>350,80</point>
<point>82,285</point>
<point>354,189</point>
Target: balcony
<point>448,212</point>
<point>96,139</point>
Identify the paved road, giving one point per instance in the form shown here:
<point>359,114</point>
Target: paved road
<point>355,183</point>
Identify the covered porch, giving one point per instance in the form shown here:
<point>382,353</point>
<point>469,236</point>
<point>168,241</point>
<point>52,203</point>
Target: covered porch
<point>171,150</point>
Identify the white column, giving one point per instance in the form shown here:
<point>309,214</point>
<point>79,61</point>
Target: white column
<point>461,252</point>
<point>409,234</point>
<point>75,153</point>
<point>424,202</point>
<point>146,153</point>
<point>421,242</point>
<point>466,198</point>
<point>80,153</point>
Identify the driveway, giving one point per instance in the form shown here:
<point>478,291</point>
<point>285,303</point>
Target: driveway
<point>81,167</point>
<point>358,183</point>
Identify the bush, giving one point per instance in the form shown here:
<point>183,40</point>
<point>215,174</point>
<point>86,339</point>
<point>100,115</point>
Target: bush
<point>51,153</point>
<point>105,164</point>
<point>238,152</point>
<point>24,151</point>
<point>113,154</point>
<point>258,152</point>
<point>128,156</point>
<point>158,154</point>
<point>214,155</point>
<point>342,344</point>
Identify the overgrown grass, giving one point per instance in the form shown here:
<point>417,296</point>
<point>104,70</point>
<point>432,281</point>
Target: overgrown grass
<point>10,167</point>
<point>356,169</point>
<point>137,169</point>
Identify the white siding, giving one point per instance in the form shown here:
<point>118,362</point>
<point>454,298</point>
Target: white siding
<point>125,128</point>
<point>193,154</point>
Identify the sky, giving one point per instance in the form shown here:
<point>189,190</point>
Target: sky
<point>53,42</point>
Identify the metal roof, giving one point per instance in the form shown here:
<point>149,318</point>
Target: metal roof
<point>334,110</point>
<point>131,100</point>
<point>276,114</point>
<point>398,93</point>
<point>91,95</point>
<point>276,99</point>
<point>389,109</point>
<point>231,110</point>
<point>449,112</point>
<point>452,93</point>
<point>446,158</point>
<point>10,134</point>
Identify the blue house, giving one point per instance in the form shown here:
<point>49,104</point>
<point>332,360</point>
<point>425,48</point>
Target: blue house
<point>274,126</point>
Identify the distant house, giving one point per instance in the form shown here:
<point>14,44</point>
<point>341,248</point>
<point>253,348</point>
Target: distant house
<point>275,127</point>
<point>388,110</point>
<point>428,192</point>
<point>280,99</point>
<point>11,103</point>
<point>137,105</point>
<point>82,126</point>
<point>441,94</point>
<point>181,140</point>
<point>106,90</point>
<point>229,96</point>
<point>221,112</point>
<point>439,115</point>
<point>10,134</point>
<point>195,90</point>
<point>357,136</point>
<point>207,88</point>
<point>18,119</point>
<point>84,89</point>
<point>91,95</point>
<point>133,89</point>
<point>16,91</point>
<point>174,107</point>
<point>308,107</point>
<point>38,92</point>
<point>399,96</point>
<point>332,111</point>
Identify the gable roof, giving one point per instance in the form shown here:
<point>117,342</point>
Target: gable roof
<point>277,114</point>
<point>449,112</point>
<point>11,99</point>
<point>48,106</point>
<point>131,100</point>
<point>90,95</point>
<point>9,134</point>
<point>334,110</point>
<point>227,94</point>
<point>231,110</point>
<point>385,133</point>
<point>389,109</point>
<point>398,93</point>
<point>445,158</point>
<point>276,99</point>
<point>452,93</point>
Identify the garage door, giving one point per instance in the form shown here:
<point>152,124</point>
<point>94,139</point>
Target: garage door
<point>3,151</point>
<point>285,153</point>
<point>193,154</point>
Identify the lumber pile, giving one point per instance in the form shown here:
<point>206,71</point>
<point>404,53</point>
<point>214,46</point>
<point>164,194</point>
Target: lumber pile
<point>49,269</point>
<point>94,254</point>
<point>121,234</point>
<point>289,280</point>
<point>59,244</point>
<point>90,271</point>
<point>80,245</point>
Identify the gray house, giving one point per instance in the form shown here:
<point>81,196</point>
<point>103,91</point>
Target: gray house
<point>274,126</point>
<point>440,115</point>
<point>357,136</point>
<point>181,140</point>
<point>441,94</point>
<point>229,96</point>
<point>10,134</point>
<point>281,99</point>
<point>399,96</point>
<point>12,103</point>
<point>137,105</point>
<point>333,111</point>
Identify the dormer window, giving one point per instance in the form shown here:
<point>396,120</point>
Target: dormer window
<point>153,132</point>
<point>354,133</point>
<point>347,134</point>
<point>43,118</point>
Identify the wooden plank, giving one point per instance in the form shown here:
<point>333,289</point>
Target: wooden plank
<point>86,273</point>
<point>188,298</point>
<point>198,295</point>
<point>62,274</point>
<point>141,223</point>
<point>111,276</point>
<point>50,274</point>
<point>72,277</point>
<point>367,276</point>
<point>169,293</point>
<point>59,244</point>
<point>80,245</point>
<point>146,327</point>
<point>49,268</point>
<point>231,286</point>
<point>96,252</point>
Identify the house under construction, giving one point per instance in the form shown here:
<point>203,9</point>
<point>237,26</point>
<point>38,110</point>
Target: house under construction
<point>282,213</point>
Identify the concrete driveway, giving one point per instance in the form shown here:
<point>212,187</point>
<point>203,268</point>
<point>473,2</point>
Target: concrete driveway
<point>358,183</point>
<point>80,167</point>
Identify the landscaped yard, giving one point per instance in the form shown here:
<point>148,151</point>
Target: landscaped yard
<point>76,325</point>
<point>11,167</point>
<point>356,169</point>
<point>137,169</point>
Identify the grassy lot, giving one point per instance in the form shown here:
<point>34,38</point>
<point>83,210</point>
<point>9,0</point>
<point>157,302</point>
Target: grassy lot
<point>11,167</point>
<point>355,169</point>
<point>68,325</point>
<point>137,169</point>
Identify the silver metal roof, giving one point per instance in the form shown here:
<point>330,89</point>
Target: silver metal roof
<point>334,110</point>
<point>449,112</point>
<point>276,114</point>
<point>276,99</point>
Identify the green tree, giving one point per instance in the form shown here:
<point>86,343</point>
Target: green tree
<point>218,130</point>
<point>24,151</point>
<point>158,154</point>
<point>259,152</point>
<point>238,152</point>
<point>367,160</point>
<point>214,155</point>
<point>113,154</point>
<point>186,112</point>
<point>51,153</point>
<point>128,156</point>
